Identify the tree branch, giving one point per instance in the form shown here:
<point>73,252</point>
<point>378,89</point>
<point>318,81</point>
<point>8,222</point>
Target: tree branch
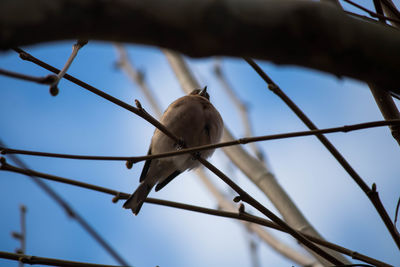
<point>47,261</point>
<point>271,30</point>
<point>75,49</point>
<point>137,77</point>
<point>42,80</point>
<point>241,141</point>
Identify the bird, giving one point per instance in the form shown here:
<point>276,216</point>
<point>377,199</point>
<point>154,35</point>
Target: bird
<point>194,120</point>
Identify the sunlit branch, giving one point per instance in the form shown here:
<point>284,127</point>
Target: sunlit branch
<point>28,259</point>
<point>75,48</point>
<point>244,216</point>
<point>242,107</point>
<point>138,77</point>
<point>371,193</point>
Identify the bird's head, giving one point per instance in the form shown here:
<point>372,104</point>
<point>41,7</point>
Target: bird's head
<point>201,92</point>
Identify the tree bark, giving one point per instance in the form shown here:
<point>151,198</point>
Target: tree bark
<point>304,33</point>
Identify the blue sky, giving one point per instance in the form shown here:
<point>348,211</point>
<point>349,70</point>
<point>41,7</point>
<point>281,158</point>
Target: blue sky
<point>79,122</point>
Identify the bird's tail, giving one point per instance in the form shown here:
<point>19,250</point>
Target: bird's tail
<point>135,201</point>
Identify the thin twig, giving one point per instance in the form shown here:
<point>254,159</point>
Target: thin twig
<point>371,193</point>
<point>49,79</point>
<point>220,213</point>
<point>21,236</point>
<point>396,213</point>
<point>75,48</point>
<point>68,209</point>
<point>241,141</point>
<point>23,230</point>
<point>47,261</point>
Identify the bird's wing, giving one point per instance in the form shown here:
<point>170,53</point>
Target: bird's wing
<point>164,182</point>
<point>145,167</point>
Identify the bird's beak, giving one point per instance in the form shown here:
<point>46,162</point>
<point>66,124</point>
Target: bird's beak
<point>203,92</point>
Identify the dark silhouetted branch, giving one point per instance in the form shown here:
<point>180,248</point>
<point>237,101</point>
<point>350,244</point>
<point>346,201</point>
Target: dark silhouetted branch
<point>345,129</point>
<point>372,13</point>
<point>42,80</point>
<point>32,260</point>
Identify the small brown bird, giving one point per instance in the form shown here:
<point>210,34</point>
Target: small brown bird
<point>193,119</point>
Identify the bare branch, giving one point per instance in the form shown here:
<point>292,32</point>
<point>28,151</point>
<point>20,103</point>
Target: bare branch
<point>259,29</point>
<point>241,141</point>
<point>220,213</point>
<point>21,236</point>
<point>46,261</point>
<point>370,192</point>
<point>396,213</point>
<point>42,80</point>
